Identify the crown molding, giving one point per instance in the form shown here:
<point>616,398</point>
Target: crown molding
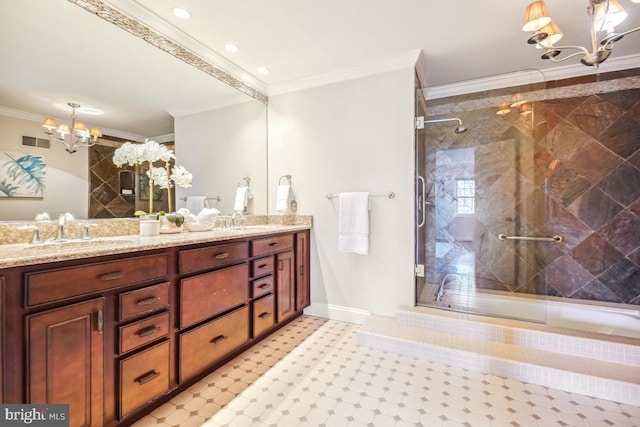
<point>529,76</point>
<point>395,62</point>
<point>147,17</point>
<point>143,23</point>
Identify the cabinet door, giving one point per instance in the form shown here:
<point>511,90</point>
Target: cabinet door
<point>285,279</point>
<point>303,293</point>
<point>66,360</point>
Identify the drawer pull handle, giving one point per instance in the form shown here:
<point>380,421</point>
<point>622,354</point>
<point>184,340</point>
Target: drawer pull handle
<point>273,244</point>
<point>221,256</point>
<point>148,301</point>
<point>264,315</point>
<point>280,265</point>
<point>100,321</point>
<point>302,270</point>
<point>148,331</point>
<point>264,285</point>
<point>219,338</point>
<point>264,266</point>
<point>112,276</point>
<point>143,379</point>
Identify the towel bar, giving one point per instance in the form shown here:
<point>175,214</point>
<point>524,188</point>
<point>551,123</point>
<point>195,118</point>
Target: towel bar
<point>390,195</point>
<point>557,238</point>
<point>217,198</point>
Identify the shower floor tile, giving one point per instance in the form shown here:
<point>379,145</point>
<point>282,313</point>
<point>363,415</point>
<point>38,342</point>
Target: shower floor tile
<point>313,373</point>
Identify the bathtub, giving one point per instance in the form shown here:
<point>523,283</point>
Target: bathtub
<point>605,318</point>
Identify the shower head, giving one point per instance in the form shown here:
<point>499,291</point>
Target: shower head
<point>459,128</point>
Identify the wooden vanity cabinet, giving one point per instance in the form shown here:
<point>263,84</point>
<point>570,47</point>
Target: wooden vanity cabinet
<point>118,335</point>
<point>143,377</point>
<point>285,286</point>
<point>66,360</point>
<point>1,335</point>
<point>303,282</point>
<point>280,247</point>
<point>82,322</point>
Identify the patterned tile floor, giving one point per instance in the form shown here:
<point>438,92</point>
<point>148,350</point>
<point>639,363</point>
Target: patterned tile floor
<point>313,373</point>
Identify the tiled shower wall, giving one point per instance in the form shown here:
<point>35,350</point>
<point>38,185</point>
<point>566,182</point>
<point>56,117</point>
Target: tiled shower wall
<point>106,180</point>
<point>105,198</point>
<point>572,168</point>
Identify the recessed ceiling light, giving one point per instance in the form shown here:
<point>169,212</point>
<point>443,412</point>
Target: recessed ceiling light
<point>181,13</point>
<point>263,70</point>
<point>231,47</point>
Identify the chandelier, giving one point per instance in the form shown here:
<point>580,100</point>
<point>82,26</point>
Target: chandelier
<point>78,134</point>
<point>604,15</point>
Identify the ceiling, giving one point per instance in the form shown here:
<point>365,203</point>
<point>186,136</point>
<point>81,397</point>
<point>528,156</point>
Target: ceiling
<point>54,52</point>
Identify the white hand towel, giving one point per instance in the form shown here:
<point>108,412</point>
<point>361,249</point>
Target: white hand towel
<point>283,197</point>
<point>353,225</point>
<point>240,203</point>
<point>195,204</point>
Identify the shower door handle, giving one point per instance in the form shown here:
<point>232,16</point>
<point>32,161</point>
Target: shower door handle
<point>422,202</point>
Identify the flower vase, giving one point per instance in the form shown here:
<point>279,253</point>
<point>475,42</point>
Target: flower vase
<point>167,227</point>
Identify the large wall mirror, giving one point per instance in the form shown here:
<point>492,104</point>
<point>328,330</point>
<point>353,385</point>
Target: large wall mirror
<point>54,52</point>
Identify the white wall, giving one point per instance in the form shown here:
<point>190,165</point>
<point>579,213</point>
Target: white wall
<point>67,185</point>
<point>219,147</point>
<point>351,136</point>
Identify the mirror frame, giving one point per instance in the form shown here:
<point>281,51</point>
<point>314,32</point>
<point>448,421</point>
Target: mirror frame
<point>162,42</point>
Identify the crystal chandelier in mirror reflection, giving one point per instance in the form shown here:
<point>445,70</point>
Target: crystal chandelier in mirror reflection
<point>74,136</point>
<point>604,16</point>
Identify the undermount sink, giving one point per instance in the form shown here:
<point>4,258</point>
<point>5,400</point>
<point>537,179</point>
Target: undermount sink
<point>55,244</point>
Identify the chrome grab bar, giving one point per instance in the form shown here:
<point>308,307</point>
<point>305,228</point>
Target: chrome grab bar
<point>423,203</point>
<point>557,238</point>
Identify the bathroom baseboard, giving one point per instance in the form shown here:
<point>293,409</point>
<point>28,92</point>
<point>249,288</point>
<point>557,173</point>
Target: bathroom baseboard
<point>336,312</point>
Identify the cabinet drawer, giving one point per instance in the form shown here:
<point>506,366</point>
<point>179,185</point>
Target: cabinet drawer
<point>207,344</point>
<point>143,331</point>
<point>192,260</point>
<point>270,245</point>
<point>263,315</point>
<point>144,300</point>
<point>143,377</point>
<point>54,285</point>
<point>208,294</point>
<point>262,266</point>
<point>261,286</point>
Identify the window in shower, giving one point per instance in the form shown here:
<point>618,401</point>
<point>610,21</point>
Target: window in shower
<point>465,196</point>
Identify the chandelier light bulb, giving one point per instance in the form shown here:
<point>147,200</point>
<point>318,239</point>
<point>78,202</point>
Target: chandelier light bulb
<point>604,16</point>
<point>78,133</point>
<point>607,16</point>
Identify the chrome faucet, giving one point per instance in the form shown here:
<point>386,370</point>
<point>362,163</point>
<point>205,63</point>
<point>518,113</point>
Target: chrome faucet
<point>36,233</point>
<point>62,220</point>
<point>86,235</point>
<point>440,292</point>
<point>233,219</point>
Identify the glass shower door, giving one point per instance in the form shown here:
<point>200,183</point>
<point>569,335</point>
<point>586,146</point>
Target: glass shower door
<point>473,186</point>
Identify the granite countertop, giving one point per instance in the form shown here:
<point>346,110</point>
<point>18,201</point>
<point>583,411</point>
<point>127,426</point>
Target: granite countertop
<point>20,254</point>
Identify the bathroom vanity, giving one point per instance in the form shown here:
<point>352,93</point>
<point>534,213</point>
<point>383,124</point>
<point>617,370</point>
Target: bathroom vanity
<point>117,328</point>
